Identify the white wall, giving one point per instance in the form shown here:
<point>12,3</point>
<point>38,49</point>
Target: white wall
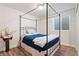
<point>10,18</point>
<point>67,37</point>
<point>41,23</point>
<point>41,26</point>
<point>28,25</point>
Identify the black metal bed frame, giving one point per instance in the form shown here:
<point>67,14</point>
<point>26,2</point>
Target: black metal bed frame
<point>47,4</point>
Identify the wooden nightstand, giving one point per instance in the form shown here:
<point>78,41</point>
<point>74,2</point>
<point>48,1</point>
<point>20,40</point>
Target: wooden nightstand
<point>6,39</point>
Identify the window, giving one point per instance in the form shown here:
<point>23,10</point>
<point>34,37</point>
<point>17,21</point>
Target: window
<point>56,23</point>
<point>64,23</point>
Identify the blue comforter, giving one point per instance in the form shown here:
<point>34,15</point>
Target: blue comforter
<point>30,38</point>
<point>29,41</point>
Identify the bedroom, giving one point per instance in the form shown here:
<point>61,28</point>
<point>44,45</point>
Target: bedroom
<point>10,22</point>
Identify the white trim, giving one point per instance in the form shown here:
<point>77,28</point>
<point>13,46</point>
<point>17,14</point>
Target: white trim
<point>78,52</point>
<point>68,45</point>
<point>3,47</point>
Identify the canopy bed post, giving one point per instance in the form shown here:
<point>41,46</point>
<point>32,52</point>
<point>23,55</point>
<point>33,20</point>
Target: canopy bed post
<point>20,30</point>
<point>59,31</point>
<point>46,27</point>
<point>36,25</point>
<point>59,23</point>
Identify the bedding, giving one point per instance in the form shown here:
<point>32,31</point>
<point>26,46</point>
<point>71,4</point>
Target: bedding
<point>41,41</point>
<point>29,41</point>
<point>33,34</point>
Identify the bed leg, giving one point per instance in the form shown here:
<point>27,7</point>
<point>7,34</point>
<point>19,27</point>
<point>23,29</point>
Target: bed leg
<point>59,45</point>
<point>46,55</point>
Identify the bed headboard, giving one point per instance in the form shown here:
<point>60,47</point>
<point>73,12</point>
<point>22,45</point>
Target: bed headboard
<point>28,30</point>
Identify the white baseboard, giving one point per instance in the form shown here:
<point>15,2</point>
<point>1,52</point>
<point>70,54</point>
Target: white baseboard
<point>13,46</point>
<point>68,45</point>
<point>3,48</point>
<point>77,49</point>
<point>78,52</point>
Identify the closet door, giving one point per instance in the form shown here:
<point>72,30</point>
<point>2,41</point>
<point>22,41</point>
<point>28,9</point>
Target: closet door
<point>65,30</point>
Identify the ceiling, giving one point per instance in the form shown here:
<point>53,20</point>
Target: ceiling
<point>25,7</point>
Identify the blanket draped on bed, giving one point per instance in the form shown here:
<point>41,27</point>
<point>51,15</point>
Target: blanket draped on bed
<point>29,41</point>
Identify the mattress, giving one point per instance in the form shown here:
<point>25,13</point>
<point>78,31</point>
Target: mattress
<point>29,41</point>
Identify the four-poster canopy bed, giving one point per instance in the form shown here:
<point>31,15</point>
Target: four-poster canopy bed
<point>49,47</point>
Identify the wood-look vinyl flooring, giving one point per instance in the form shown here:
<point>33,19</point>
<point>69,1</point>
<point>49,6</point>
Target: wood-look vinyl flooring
<point>18,51</point>
<point>66,51</point>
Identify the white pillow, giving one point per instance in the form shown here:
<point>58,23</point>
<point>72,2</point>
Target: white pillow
<point>28,34</point>
<point>31,31</point>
